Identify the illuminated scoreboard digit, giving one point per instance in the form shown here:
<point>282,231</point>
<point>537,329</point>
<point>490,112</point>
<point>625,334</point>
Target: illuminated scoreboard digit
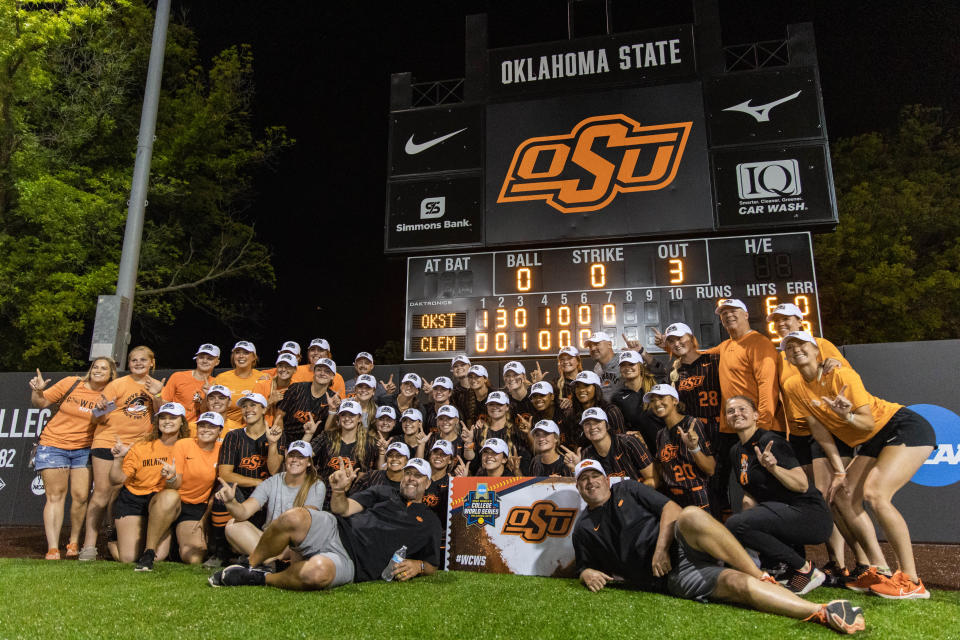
<point>529,303</point>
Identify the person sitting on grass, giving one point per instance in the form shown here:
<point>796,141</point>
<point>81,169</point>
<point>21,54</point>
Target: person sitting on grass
<point>631,532</point>
<point>355,543</point>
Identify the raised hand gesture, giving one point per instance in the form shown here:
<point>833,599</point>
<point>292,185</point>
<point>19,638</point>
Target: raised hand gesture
<point>37,383</point>
<point>570,459</point>
<point>460,469</point>
<point>632,344</point>
<point>342,478</point>
<point>566,403</point>
<point>389,386</point>
<point>154,386</point>
<point>169,470</point>
<point>227,492</point>
<point>333,401</point>
<point>382,444</point>
<point>274,432</point>
<point>275,395</point>
<point>840,404</point>
<point>467,433</point>
<point>536,375</point>
<point>513,464</point>
<point>689,436</point>
<point>119,449</point>
<point>524,423</point>
<point>766,458</point>
<point>426,387</point>
<point>659,339</point>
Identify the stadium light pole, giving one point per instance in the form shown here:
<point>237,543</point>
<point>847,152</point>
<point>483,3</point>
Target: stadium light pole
<point>111,328</point>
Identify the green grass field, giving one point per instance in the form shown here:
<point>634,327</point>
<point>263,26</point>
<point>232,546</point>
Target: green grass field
<point>66,600</point>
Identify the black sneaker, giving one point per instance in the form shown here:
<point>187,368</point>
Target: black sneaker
<point>237,575</point>
<point>835,574</point>
<point>145,563</point>
<point>803,583</point>
<point>216,580</point>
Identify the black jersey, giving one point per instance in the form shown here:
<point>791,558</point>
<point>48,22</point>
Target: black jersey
<point>520,407</point>
<point>387,523</point>
<point>620,536</point>
<point>757,481</point>
<point>627,457</point>
<point>374,479</point>
<point>684,481</point>
<point>457,444</point>
<point>435,497</point>
<point>248,457</point>
<point>556,468</point>
<point>298,405</point>
<point>327,460</point>
<point>698,386</point>
<point>571,424</point>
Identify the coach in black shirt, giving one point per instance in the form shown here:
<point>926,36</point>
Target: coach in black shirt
<point>632,532</point>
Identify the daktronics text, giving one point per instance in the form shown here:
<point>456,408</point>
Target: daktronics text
<point>619,154</point>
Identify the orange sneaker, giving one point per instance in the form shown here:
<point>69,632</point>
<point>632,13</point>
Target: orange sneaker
<point>900,587</point>
<point>52,554</point>
<point>866,580</point>
<point>73,550</point>
<point>839,615</point>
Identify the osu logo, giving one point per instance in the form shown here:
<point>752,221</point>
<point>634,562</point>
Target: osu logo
<point>543,518</point>
<point>690,383</point>
<point>251,463</point>
<point>669,452</point>
<point>601,157</point>
<point>431,499</point>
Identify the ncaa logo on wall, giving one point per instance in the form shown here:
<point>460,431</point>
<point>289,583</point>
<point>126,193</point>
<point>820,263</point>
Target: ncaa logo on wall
<point>942,468</point>
<point>617,154</point>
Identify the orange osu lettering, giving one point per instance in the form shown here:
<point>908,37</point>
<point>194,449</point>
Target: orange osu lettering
<point>690,383</point>
<point>540,520</point>
<point>601,157</point>
<point>669,452</point>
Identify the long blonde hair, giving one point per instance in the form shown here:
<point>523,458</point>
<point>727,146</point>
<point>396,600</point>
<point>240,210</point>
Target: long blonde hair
<point>360,450</point>
<point>675,369</point>
<point>308,482</point>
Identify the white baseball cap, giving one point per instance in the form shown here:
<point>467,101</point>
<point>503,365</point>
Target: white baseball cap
<point>496,445</point>
<point>246,345</point>
<point>350,406</point>
<point>599,336</point>
<point>630,357</point>
<point>497,397</point>
<point>444,446</point>
<point>586,465</point>
<point>541,388</point>
<point>209,349</point>
<point>547,425</point>
<point>365,355</point>
<point>386,410</point>
<point>399,447</point>
<point>219,388</point>
<point>211,417</point>
<point>287,358</point>
<point>421,465</point>
<point>326,362</point>
<point>478,370</point>
<point>660,390</point>
<point>593,413</point>
<point>302,447</point>
<point>366,379</point>
<point>785,309</point>
<point>443,382</point>
<point>253,397</point>
<point>413,379</point>
<point>459,359</point>
<point>320,342</point>
<point>172,408</point>
<point>729,302</point>
<point>677,330</point>
<point>515,366</point>
<point>798,335</point>
<point>570,351</point>
<point>291,347</point>
<point>411,414</point>
<point>588,377</point>
<point>448,410</point>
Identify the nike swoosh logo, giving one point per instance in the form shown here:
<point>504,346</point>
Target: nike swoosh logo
<point>596,528</point>
<point>618,457</point>
<point>412,148</point>
<point>762,111</point>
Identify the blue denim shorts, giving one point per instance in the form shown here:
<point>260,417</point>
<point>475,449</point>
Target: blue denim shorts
<point>54,458</point>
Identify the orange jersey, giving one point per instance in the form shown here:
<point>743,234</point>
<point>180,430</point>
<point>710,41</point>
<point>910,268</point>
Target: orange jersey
<point>787,371</point>
<point>748,367</point>
<point>198,469</point>
<point>184,388</point>
<point>71,428</point>
<point>805,397</point>
<point>131,421</point>
<point>142,466</point>
<point>237,386</point>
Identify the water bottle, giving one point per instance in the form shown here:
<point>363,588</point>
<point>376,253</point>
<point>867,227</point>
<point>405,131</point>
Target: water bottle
<point>398,556</point>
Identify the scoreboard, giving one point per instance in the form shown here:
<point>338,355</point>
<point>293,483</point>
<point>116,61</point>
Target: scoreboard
<point>533,302</point>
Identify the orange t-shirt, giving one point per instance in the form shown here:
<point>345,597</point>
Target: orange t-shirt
<point>131,421</point>
<point>787,371</point>
<point>228,425</point>
<point>264,387</point>
<point>805,397</point>
<point>70,429</point>
<point>182,387</point>
<point>748,367</point>
<point>304,373</point>
<point>142,466</point>
<point>237,386</point>
<point>198,469</point>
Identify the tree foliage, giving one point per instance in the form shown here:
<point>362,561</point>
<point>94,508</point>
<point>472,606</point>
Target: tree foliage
<point>71,91</point>
<point>891,271</point>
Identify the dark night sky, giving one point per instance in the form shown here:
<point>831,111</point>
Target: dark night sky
<point>323,71</point>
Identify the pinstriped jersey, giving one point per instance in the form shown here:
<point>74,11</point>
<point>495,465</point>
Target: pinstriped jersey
<point>699,389</point>
<point>685,482</point>
<point>627,457</point>
<point>248,456</point>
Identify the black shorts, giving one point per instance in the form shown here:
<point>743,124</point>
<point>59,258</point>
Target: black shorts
<point>816,451</point>
<point>190,512</point>
<point>101,452</point>
<point>801,448</point>
<point>906,427</point>
<point>131,504</point>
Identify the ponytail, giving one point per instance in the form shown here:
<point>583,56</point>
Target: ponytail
<point>308,482</point>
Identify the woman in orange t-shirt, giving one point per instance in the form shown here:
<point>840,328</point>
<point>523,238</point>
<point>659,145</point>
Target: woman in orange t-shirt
<point>127,404</point>
<point>242,378</point>
<point>891,442</point>
<point>64,448</point>
<point>145,469</point>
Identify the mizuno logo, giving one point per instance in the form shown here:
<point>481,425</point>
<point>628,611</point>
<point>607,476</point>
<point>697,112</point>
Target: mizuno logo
<point>412,148</point>
<point>760,112</point>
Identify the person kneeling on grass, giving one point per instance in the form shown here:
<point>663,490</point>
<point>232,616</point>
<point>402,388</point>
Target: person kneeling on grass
<point>632,531</point>
<point>356,544</point>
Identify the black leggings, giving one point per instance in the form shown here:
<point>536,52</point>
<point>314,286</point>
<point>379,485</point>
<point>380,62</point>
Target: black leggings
<point>774,529</point>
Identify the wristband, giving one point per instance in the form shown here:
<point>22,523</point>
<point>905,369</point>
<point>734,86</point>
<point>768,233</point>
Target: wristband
<point>697,450</point>
<point>468,445</point>
<point>839,473</point>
